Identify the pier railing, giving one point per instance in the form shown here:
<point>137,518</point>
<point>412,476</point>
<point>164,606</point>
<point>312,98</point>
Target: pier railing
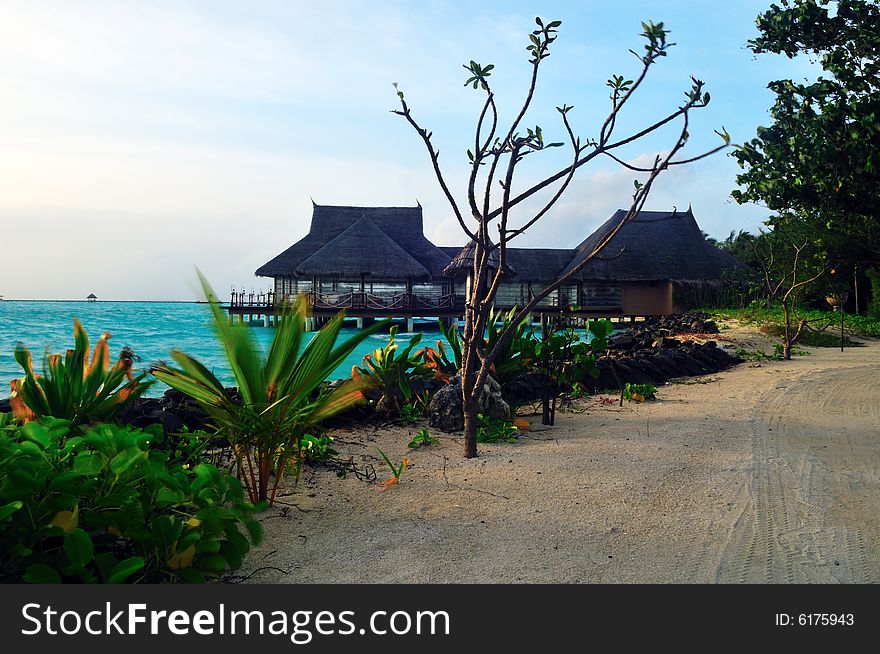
<point>350,300</point>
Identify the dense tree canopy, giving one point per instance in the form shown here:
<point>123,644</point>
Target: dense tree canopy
<point>820,159</point>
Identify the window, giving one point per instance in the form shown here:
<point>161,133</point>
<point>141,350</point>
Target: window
<point>600,296</point>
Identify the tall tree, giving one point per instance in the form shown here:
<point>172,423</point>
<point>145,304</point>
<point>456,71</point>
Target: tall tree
<point>819,161</point>
<point>494,158</point>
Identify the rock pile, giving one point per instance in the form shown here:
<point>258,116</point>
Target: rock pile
<point>446,411</point>
<point>173,411</point>
<point>647,353</point>
<point>666,359</point>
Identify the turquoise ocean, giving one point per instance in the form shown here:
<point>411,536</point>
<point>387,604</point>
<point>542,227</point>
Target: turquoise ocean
<point>151,329</point>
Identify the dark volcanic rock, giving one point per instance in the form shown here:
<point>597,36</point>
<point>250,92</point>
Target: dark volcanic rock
<point>446,411</point>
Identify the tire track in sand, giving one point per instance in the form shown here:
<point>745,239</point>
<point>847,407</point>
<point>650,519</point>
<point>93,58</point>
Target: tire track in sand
<point>811,496</point>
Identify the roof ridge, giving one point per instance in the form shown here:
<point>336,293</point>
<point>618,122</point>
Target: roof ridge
<point>370,225</point>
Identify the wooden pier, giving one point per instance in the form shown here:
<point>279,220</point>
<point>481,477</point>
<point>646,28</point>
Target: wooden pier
<point>263,308</point>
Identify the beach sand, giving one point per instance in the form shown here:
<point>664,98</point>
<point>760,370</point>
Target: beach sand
<point>766,473</point>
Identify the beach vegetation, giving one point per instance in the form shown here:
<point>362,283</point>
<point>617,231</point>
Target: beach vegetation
<point>393,370</point>
<point>81,386</point>
<point>445,360</point>
<point>410,413</point>
<point>422,438</point>
<point>99,504</point>
<point>396,470</point>
<point>316,448</point>
<point>562,359</point>
<point>495,430</point>
<point>771,319</point>
<point>816,163</point>
<point>282,396</point>
<point>514,353</point>
<point>492,199</point>
<point>639,392</point>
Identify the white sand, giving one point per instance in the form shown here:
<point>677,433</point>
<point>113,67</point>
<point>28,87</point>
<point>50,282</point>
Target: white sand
<point>759,474</point>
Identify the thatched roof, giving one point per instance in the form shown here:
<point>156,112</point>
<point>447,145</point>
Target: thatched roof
<point>91,296</point>
<point>389,243</point>
<point>463,261</point>
<point>656,245</point>
<point>368,244</point>
<point>344,256</point>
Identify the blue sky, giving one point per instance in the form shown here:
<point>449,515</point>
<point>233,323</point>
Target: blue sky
<point>140,139</point>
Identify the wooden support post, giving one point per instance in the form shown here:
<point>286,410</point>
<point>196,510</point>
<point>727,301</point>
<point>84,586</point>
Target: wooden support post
<point>409,324</point>
<point>360,323</point>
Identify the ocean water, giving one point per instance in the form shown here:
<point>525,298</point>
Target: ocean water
<point>151,329</point>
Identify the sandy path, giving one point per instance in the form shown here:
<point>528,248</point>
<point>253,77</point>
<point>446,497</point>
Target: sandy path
<point>759,474</point>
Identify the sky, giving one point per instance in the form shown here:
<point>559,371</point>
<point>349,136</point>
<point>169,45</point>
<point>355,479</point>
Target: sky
<point>139,141</point>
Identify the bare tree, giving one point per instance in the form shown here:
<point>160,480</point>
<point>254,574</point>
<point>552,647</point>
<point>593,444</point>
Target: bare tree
<point>495,156</point>
<point>782,282</point>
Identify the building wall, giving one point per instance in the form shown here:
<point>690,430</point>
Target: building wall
<point>647,299</point>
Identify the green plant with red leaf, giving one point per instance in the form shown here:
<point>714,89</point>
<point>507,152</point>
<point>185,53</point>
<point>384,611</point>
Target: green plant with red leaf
<point>443,361</point>
<point>76,387</point>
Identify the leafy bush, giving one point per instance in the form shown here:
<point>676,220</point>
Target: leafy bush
<point>421,438</point>
<point>410,413</point>
<point>281,394</point>
<point>393,371</point>
<point>515,357</point>
<point>316,448</point>
<point>493,430</point>
<point>640,392</point>
<point>562,360</point>
<point>100,505</point>
<point>74,387</point>
<point>874,302</point>
<point>442,361</point>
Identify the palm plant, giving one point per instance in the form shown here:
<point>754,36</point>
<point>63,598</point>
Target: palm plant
<point>75,387</point>
<point>281,394</point>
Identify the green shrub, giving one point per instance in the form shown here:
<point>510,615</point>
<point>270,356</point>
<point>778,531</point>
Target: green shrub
<point>75,387</point>
<point>410,413</point>
<point>443,362</point>
<point>281,392</point>
<point>316,448</point>
<point>563,360</point>
<point>421,438</point>
<point>493,430</point>
<point>393,371</point>
<point>100,505</point>
<point>874,302</point>
<point>515,358</point>
<point>646,391</point>
<point>772,319</point>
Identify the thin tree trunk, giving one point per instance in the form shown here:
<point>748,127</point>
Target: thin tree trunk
<point>470,430</point>
<point>786,340</point>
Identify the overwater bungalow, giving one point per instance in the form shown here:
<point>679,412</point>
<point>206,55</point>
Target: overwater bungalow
<point>376,262</point>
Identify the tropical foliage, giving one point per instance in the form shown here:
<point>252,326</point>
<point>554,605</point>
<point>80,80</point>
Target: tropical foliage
<point>443,361</point>
<point>818,162</point>
<point>562,359</point>
<point>76,387</point>
<point>98,504</point>
<point>513,354</point>
<point>393,370</point>
<point>281,393</point>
